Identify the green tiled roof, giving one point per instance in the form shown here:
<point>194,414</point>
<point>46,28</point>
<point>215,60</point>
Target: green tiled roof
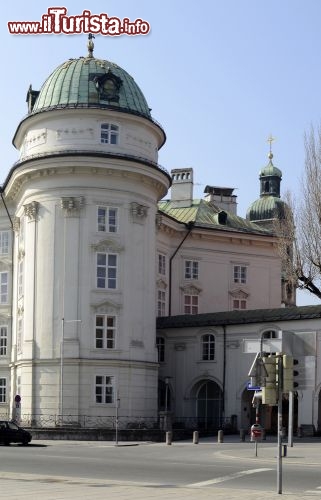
<point>206,214</point>
<point>72,85</point>
<point>240,317</point>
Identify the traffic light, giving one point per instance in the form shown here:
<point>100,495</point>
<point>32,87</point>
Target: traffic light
<point>289,373</point>
<point>269,391</point>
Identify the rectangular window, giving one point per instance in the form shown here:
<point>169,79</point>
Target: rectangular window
<point>240,274</point>
<point>4,288</point>
<point>109,133</point>
<point>3,340</point>
<point>105,331</point>
<point>3,390</point>
<point>190,304</point>
<point>4,242</point>
<point>208,347</point>
<point>161,302</point>
<point>161,264</point>
<point>239,304</point>
<point>104,389</point>
<point>191,269</point>
<point>107,219</point>
<point>106,270</point>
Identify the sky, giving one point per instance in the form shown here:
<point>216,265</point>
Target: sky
<point>219,75</point>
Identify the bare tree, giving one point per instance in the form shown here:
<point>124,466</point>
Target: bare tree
<point>300,228</point>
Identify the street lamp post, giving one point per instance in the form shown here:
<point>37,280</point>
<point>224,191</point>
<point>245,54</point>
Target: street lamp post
<point>116,419</point>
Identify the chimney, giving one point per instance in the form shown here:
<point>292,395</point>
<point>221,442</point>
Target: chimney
<point>222,197</point>
<point>182,187</point>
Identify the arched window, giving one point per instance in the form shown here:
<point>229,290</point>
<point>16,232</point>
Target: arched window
<point>270,334</point>
<point>208,347</point>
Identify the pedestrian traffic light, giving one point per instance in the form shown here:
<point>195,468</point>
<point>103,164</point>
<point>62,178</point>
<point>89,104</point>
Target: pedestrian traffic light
<point>289,373</point>
<point>269,391</point>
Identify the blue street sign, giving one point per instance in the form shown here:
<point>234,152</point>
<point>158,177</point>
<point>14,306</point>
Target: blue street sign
<point>252,387</point>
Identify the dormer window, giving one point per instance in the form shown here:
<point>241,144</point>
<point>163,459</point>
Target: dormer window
<point>109,133</point>
<point>108,86</point>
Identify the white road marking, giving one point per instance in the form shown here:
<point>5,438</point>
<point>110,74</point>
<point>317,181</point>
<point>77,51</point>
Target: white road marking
<point>235,475</point>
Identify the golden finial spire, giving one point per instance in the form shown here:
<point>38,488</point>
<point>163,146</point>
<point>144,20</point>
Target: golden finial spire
<point>270,140</point>
<point>90,45</point>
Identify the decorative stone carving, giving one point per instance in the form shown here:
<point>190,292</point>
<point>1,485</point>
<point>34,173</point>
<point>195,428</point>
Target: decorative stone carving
<point>138,212</point>
<point>191,289</point>
<point>31,210</point>
<point>106,307</point>
<point>34,139</point>
<point>20,310</point>
<point>21,253</point>
<point>161,284</point>
<point>107,245</point>
<point>79,134</point>
<point>16,224</point>
<point>72,205</point>
<point>239,294</point>
<point>159,220</point>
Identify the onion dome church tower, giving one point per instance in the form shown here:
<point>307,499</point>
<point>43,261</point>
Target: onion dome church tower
<point>269,208</point>
<point>84,195</point>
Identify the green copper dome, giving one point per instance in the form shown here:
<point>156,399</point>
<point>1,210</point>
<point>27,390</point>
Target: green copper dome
<point>265,209</point>
<point>270,171</point>
<point>89,82</point>
<point>269,206</point>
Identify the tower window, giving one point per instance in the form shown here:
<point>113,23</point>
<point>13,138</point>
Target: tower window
<point>4,288</point>
<point>4,242</point>
<point>106,271</point>
<point>105,331</point>
<point>107,219</point>
<point>109,133</point>
<point>3,340</point>
<point>3,390</point>
<point>105,389</point>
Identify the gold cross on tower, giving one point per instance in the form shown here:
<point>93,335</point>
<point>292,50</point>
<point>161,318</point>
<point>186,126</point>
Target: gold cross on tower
<point>270,140</point>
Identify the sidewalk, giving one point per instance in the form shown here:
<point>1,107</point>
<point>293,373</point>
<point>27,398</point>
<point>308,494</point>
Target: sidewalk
<point>40,487</point>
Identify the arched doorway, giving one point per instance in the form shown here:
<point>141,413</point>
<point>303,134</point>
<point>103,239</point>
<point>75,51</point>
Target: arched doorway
<point>208,404</point>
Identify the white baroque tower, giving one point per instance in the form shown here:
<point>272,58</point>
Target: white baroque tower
<point>84,195</point>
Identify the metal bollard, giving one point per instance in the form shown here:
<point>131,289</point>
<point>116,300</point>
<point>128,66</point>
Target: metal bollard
<point>242,435</point>
<point>285,450</point>
<point>195,437</point>
<point>220,437</point>
<point>168,437</point>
